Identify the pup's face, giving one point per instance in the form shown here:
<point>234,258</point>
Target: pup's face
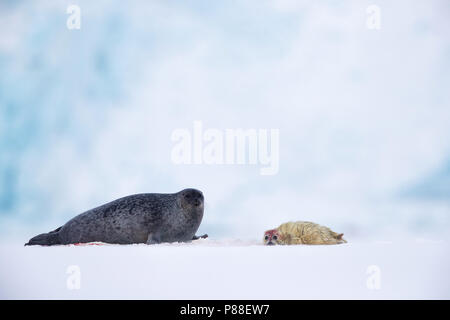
<point>271,237</point>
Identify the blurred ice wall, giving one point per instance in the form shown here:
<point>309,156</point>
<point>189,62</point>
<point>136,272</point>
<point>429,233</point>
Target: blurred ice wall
<point>86,116</point>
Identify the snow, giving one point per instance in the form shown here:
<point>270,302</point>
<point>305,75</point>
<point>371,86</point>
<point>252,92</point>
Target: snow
<point>228,269</point>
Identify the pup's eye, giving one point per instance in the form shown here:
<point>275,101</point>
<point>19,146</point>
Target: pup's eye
<point>274,237</point>
<point>266,238</point>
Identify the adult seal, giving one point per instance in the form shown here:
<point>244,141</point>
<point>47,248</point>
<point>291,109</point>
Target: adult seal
<point>141,218</point>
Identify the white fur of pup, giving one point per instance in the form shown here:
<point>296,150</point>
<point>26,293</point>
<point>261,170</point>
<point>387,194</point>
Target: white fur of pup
<point>302,232</point>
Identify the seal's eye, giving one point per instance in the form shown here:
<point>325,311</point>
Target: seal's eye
<point>274,237</point>
<point>266,238</point>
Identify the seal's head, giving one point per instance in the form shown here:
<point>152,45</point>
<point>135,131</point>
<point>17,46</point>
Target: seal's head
<point>272,237</point>
<point>191,199</point>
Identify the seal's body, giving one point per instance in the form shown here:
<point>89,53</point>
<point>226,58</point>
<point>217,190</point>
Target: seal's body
<point>142,218</point>
<point>302,232</point>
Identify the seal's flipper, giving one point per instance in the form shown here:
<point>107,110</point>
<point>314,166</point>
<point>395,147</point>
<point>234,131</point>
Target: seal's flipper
<point>154,238</point>
<point>201,237</point>
<point>340,238</point>
<point>45,239</point>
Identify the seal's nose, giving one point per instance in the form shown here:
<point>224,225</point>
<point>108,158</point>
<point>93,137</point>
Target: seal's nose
<point>270,243</point>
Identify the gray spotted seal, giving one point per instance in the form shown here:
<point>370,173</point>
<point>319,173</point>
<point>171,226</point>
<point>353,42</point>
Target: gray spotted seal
<point>141,218</point>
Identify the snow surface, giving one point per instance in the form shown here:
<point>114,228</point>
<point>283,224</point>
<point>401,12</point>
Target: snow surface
<point>228,269</point>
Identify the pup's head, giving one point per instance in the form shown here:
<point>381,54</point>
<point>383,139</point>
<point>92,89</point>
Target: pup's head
<point>191,199</point>
<point>272,237</point>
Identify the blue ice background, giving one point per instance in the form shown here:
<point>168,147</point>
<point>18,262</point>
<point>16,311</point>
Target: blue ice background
<point>86,115</point>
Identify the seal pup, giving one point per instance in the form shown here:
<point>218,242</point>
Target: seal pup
<point>141,218</point>
<point>302,232</point>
